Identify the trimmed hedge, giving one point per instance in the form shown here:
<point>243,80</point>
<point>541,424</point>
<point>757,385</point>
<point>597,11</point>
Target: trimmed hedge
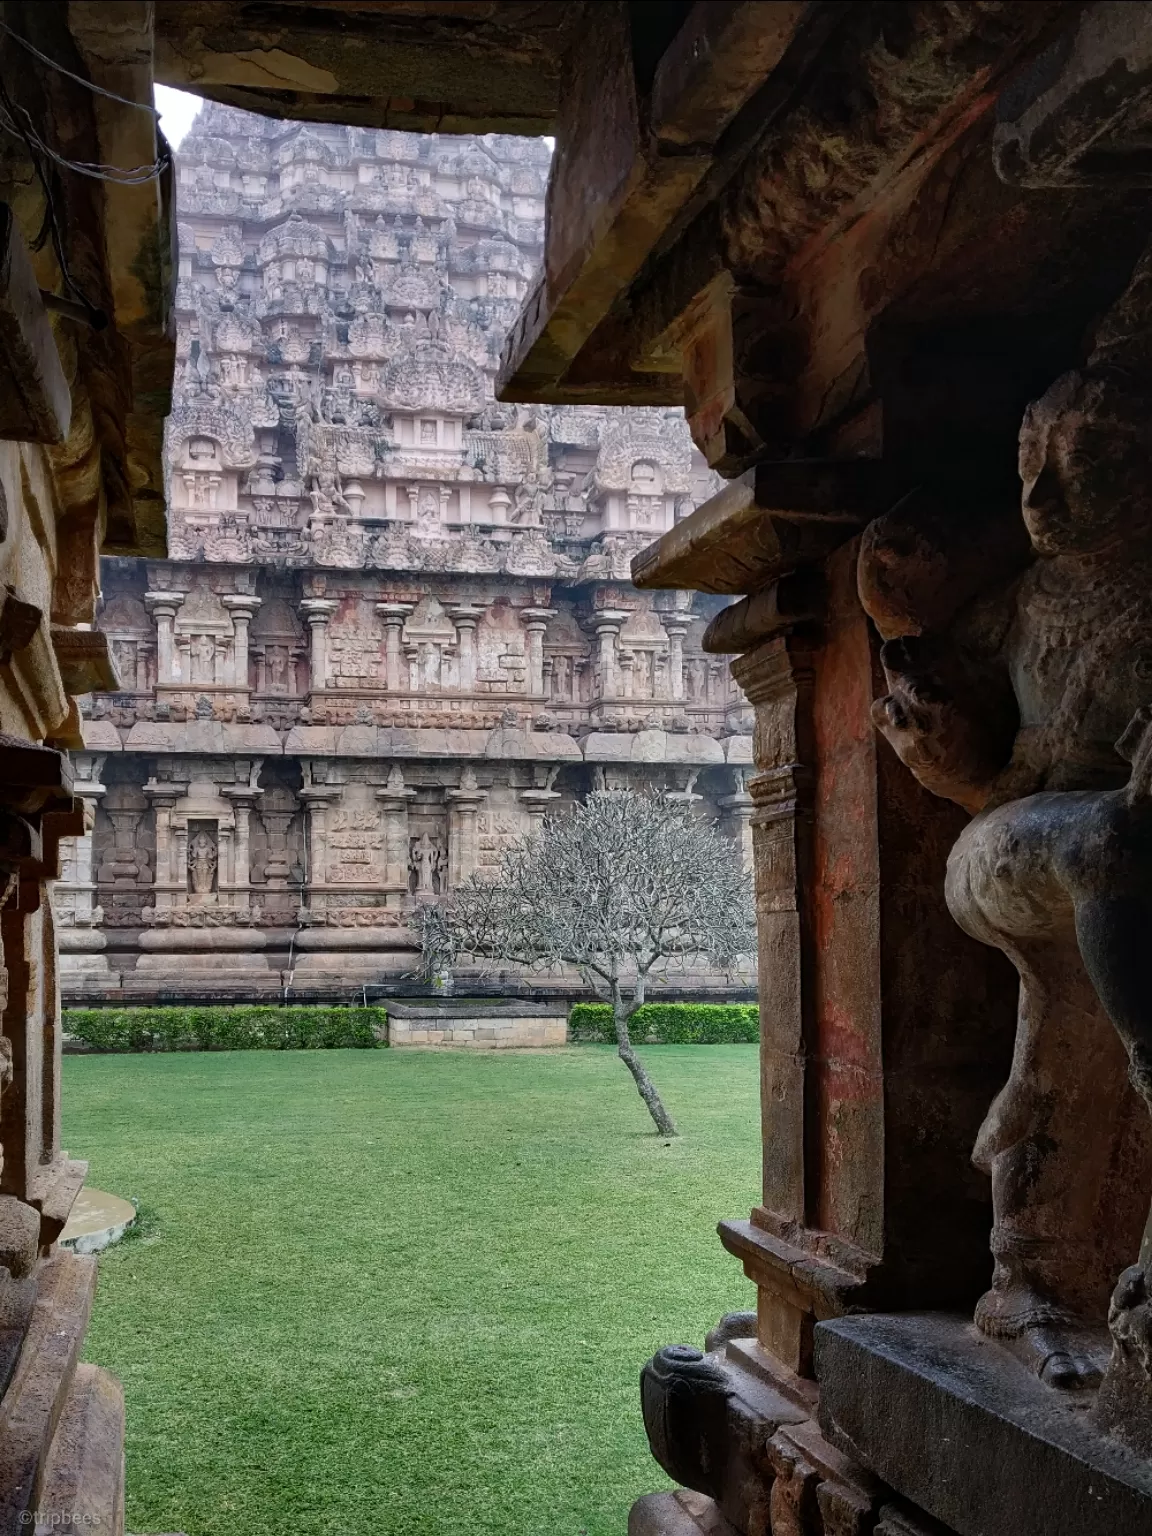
<point>292,1027</point>
<point>669,1024</point>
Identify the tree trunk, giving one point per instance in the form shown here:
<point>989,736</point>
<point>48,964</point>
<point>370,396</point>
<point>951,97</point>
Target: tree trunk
<point>621,1013</point>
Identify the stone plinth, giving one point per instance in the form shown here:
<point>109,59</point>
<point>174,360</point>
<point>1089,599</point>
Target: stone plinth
<point>477,1025</point>
<point>955,1423</point>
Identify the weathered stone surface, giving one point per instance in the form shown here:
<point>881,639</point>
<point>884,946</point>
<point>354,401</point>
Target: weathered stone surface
<point>682,1513</point>
<point>83,1480</point>
<point>37,405</point>
<point>954,1402</point>
<point>493,67</point>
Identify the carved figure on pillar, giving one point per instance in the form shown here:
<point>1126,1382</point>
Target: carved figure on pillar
<point>1025,711</point>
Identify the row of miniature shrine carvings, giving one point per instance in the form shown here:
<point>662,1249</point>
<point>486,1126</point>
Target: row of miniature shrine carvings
<point>200,853</point>
<point>424,648</point>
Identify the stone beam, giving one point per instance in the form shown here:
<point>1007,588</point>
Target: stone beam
<point>753,296</point>
<point>488,68</point>
<point>626,168</point>
<point>771,520</point>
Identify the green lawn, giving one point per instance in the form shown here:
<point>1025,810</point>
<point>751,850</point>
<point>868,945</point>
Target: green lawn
<point>405,1292</point>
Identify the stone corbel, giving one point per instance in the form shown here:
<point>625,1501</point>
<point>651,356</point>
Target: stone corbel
<point>765,525</point>
<point>85,662</point>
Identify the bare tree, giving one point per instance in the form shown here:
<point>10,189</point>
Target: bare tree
<point>624,885</point>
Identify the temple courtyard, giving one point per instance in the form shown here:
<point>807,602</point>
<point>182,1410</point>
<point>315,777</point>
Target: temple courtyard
<point>406,1292</point>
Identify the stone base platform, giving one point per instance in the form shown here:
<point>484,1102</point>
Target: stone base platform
<point>477,1024</point>
<point>682,1513</point>
<point>953,1422</point>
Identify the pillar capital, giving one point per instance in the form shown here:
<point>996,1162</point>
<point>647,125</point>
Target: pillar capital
<point>318,610</point>
<point>163,604</point>
<point>609,619</point>
<point>536,618</point>
<point>243,604</point>
<point>394,613</point>
<point>465,615</point>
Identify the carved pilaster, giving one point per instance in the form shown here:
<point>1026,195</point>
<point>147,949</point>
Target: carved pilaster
<point>393,616</point>
<point>394,798</point>
<point>242,608</point>
<point>466,616</point>
<point>465,802</point>
<point>163,607</point>
<point>317,611</point>
<point>536,622</point>
<point>607,626</point>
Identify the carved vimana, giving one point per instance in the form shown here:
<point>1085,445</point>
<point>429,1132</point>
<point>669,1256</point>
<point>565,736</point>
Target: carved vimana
<point>397,625</point>
<point>1031,708</point>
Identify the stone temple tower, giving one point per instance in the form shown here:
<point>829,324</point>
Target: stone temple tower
<point>396,626</point>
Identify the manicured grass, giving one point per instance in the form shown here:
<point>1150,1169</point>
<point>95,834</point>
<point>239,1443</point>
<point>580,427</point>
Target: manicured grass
<point>405,1292</point>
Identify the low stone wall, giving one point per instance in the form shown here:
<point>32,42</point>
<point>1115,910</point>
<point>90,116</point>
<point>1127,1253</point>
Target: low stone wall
<point>477,1024</point>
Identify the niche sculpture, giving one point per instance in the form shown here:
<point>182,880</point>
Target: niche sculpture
<point>1030,706</point>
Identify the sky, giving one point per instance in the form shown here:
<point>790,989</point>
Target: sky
<point>177,109</point>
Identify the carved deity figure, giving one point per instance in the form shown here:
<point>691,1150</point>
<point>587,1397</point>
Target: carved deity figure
<point>425,862</point>
<point>1031,710</point>
<point>203,659</point>
<point>202,863</point>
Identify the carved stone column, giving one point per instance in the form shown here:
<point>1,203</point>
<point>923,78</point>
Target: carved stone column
<point>393,616</point>
<point>163,606</point>
<point>394,798</point>
<point>244,798</point>
<point>675,627</point>
<point>877,1017</point>
<point>626,672</point>
<point>465,802</point>
<point>242,608</point>
<point>170,871</point>
<point>317,611</point>
<point>536,622</point>
<point>317,797</point>
<point>76,893</point>
<point>607,627</point>
<point>738,808</point>
<point>466,616</point>
<point>541,798</point>
<point>37,809</point>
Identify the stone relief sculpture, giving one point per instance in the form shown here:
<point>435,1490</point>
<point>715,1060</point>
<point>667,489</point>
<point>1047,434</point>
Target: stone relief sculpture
<point>202,863</point>
<point>1033,709</point>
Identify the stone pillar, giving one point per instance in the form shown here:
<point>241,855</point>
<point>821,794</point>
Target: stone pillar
<point>243,798</point>
<point>737,808</point>
<point>393,616</point>
<point>317,611</point>
<point>625,669</point>
<point>541,798</point>
<point>37,810</point>
<point>465,616</point>
<point>394,798</point>
<point>849,871</point>
<point>464,802</point>
<point>76,852</point>
<point>242,608</point>
<point>163,606</point>
<point>607,633</point>
<point>317,797</point>
<point>170,870</point>
<point>675,628</point>
<point>536,622</point>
